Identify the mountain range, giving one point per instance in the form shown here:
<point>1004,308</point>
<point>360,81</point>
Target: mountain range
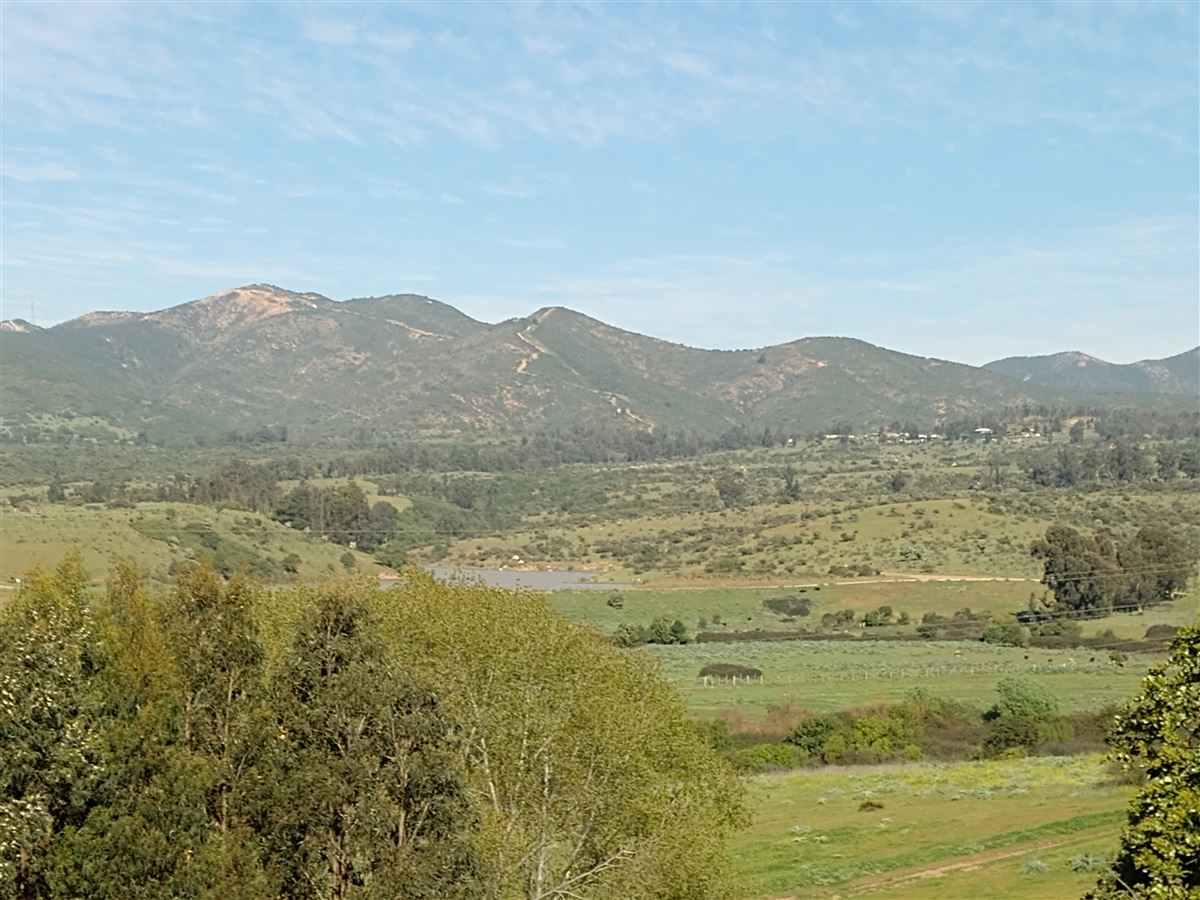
<point>1075,371</point>
<point>409,365</point>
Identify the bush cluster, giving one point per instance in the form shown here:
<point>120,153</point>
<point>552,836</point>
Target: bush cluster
<point>1024,720</point>
<point>660,631</point>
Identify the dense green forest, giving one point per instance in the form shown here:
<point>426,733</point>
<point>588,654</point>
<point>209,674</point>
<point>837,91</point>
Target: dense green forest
<point>218,739</point>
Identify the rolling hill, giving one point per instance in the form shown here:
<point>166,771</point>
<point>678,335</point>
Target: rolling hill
<point>405,364</point>
<point>1075,371</point>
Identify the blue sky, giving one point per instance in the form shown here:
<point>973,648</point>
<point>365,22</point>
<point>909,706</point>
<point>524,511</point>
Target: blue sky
<point>964,181</point>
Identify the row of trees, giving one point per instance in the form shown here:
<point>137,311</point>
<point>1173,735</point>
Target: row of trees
<point>1025,718</point>
<point>239,484</point>
<point>339,512</point>
<point>660,631</point>
<point>1095,574</point>
<point>608,443</point>
<point>221,741</point>
<point>1120,462</point>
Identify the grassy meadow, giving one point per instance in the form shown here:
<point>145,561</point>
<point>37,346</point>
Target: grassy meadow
<point>742,609</point>
<point>994,829</point>
<point>822,676</point>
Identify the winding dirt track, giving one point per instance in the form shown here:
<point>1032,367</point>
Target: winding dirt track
<point>919,576</point>
<point>909,879</point>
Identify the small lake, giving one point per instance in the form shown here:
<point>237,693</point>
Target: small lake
<point>536,581</point>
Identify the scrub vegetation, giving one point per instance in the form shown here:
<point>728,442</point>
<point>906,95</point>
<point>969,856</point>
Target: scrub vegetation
<point>872,635</point>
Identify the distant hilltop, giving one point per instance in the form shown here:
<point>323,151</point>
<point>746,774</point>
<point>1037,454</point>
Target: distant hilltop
<point>1077,371</point>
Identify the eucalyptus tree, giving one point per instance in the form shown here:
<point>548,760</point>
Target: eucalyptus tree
<point>590,781</point>
<point>47,767</point>
<point>213,638</point>
<point>366,799</point>
<point>153,825</point>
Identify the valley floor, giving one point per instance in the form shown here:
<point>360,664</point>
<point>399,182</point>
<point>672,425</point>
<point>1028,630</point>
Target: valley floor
<point>1028,828</point>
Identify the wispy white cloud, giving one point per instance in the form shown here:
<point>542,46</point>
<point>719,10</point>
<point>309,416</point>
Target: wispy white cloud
<point>46,171</point>
<point>391,191</point>
<point>504,191</point>
<point>326,31</point>
<point>594,74</point>
<point>545,243</point>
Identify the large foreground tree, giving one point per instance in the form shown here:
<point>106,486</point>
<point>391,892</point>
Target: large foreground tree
<point>1158,733</point>
<point>342,743</point>
<point>48,736</point>
<point>367,801</point>
<point>591,782</point>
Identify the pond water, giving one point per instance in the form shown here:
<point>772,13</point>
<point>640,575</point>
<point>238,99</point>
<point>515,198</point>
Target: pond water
<point>537,581</point>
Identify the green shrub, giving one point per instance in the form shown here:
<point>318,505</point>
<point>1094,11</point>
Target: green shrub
<point>878,736</point>
<point>715,733</point>
<point>1058,628</point>
<point>1033,866</point>
<point>1005,632</point>
<point>1022,698</point>
<point>768,757</point>
<point>812,733</point>
<point>1085,862</point>
<point>834,748</point>
<point>882,615</point>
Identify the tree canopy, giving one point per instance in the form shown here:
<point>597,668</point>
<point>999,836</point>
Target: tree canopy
<point>1095,574</point>
<point>1158,733</point>
<point>590,780</point>
<point>219,740</point>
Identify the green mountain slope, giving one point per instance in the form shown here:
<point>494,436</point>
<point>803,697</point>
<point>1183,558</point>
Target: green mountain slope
<point>1075,371</point>
<point>406,364</point>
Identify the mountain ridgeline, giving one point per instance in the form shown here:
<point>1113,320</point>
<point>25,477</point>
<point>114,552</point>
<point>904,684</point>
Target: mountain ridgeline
<point>1076,371</point>
<point>408,365</point>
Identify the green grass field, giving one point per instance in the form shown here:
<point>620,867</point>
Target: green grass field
<point>954,830</point>
<point>827,675</point>
<point>821,676</point>
<point>1183,611</point>
<point>741,608</point>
